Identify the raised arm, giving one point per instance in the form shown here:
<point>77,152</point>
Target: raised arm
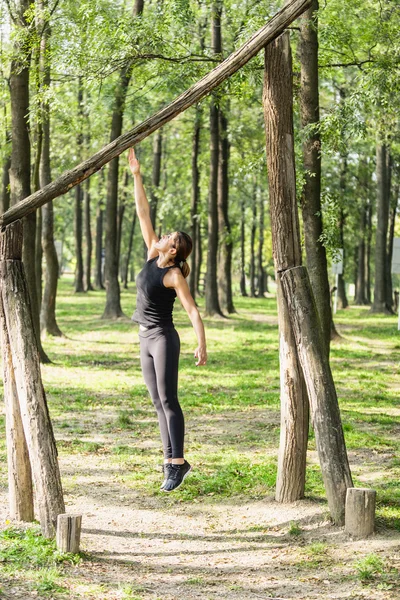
<point>142,205</point>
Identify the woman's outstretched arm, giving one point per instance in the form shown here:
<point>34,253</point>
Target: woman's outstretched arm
<point>142,204</point>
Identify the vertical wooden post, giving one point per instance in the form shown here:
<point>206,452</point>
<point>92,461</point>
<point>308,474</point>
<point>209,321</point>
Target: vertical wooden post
<point>20,491</point>
<point>297,295</point>
<point>22,343</point>
<point>360,512</point>
<point>278,112</point>
<point>69,533</point>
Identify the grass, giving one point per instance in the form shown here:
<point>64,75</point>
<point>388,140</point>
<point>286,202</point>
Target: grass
<point>101,412</point>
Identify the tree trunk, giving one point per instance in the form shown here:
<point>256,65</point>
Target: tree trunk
<point>380,304</point>
<point>368,252</point>
<point>36,187</point>
<point>120,217</point>
<point>261,275</point>
<point>212,300</point>
<point>253,230</point>
<point>233,63</point>
<point>342,220</point>
<point>278,115</point>
<point>20,169</point>
<point>38,430</point>
<point>224,226</point>
<point>199,254</point>
<point>78,222</point>
<point>360,297</point>
<point>128,255</point>
<point>297,291</point>
<point>311,195</point>
<point>99,248</point>
<point>156,176</point>
<point>88,236</point>
<point>194,207</point>
<point>242,251</point>
<point>5,191</point>
<point>392,221</point>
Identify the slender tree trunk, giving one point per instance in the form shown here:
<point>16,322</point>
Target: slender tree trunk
<point>380,304</point>
<point>242,251</point>
<point>393,197</point>
<point>224,226</point>
<point>368,252</point>
<point>88,236</point>
<point>212,300</point>
<point>199,254</point>
<point>78,223</point>
<point>128,254</point>
<point>20,169</point>
<point>99,248</point>
<point>297,292</point>
<point>194,207</point>
<point>360,297</point>
<point>120,217</point>
<point>311,196</point>
<point>253,230</point>
<point>261,277</point>
<point>156,176</point>
<point>5,190</point>
<point>342,220</point>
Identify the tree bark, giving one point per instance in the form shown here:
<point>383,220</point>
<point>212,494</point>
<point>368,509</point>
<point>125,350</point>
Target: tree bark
<point>252,269</point>
<point>5,191</point>
<point>20,182</point>
<point>380,303</point>
<point>128,254</point>
<point>99,248</point>
<point>243,291</point>
<point>261,274</point>
<point>360,297</point>
<point>78,220</point>
<point>368,252</point>
<point>120,217</point>
<point>297,291</point>
<point>278,114</point>
<point>212,300</point>
<point>224,226</point>
<point>156,176</point>
<point>194,207</point>
<point>88,237</point>
<point>392,222</point>
<point>311,195</point>
<point>199,254</point>
<point>37,426</point>
<point>233,63</point>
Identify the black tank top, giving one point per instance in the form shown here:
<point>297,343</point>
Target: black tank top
<point>154,302</point>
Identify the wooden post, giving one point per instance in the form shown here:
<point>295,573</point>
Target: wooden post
<point>360,512</point>
<point>321,389</point>
<point>297,303</point>
<point>278,112</point>
<point>20,491</point>
<point>69,533</point>
<point>37,427</point>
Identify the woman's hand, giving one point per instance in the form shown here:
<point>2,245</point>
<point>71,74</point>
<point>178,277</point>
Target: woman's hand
<point>201,354</point>
<point>133,162</point>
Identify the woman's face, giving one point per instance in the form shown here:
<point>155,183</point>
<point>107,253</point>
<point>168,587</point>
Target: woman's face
<point>166,242</point>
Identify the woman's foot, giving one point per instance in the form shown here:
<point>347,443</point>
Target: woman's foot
<point>166,472</point>
<point>176,476</point>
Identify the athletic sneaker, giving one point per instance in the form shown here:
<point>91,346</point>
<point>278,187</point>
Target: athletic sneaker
<point>166,471</point>
<point>176,476</point>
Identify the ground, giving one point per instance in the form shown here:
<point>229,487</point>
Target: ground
<point>222,535</point>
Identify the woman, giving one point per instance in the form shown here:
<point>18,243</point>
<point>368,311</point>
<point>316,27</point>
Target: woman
<point>162,278</point>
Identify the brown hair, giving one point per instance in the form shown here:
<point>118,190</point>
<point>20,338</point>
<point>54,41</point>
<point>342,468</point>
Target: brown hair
<point>183,245</point>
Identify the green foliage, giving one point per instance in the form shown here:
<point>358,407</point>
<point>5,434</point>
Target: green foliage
<point>369,567</point>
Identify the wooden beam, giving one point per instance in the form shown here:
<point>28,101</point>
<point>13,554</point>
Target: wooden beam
<point>214,78</point>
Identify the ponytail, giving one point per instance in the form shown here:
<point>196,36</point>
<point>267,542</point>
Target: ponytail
<point>184,245</point>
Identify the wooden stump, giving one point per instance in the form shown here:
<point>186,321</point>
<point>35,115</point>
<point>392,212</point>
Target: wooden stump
<point>69,533</point>
<point>360,512</point>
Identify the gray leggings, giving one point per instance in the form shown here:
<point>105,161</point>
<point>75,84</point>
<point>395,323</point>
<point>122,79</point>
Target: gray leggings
<point>159,358</point>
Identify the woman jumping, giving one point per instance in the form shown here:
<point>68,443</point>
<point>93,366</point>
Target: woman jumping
<point>162,278</point>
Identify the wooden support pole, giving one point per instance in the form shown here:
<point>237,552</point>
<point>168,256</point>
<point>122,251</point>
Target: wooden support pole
<point>279,22</point>
<point>360,512</point>
<point>320,388</point>
<point>17,317</point>
<point>278,114</point>
<point>20,492</point>
<point>69,533</point>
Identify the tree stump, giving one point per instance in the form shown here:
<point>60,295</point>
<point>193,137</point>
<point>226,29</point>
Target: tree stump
<point>360,512</point>
<point>69,533</point>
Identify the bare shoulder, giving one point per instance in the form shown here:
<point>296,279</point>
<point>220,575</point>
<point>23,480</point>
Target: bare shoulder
<point>174,278</point>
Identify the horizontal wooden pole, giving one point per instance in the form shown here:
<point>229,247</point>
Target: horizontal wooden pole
<point>214,78</point>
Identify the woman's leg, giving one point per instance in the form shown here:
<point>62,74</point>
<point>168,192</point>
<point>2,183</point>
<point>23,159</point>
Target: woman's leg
<point>165,350</point>
<point>149,375</point>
